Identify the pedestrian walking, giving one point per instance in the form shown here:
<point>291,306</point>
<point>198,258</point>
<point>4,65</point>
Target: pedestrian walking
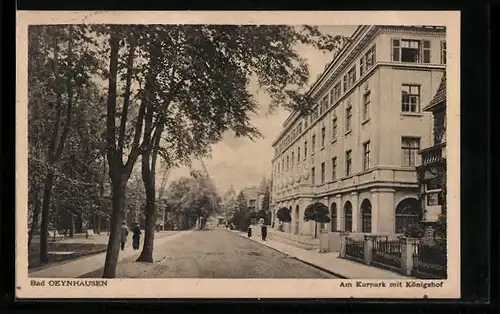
<point>136,236</point>
<point>123,234</point>
<point>263,229</point>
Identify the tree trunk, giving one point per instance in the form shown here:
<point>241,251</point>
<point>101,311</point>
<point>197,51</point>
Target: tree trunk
<point>315,229</point>
<point>44,228</point>
<point>36,214</point>
<point>71,225</point>
<point>98,224</point>
<point>118,186</point>
<point>149,185</point>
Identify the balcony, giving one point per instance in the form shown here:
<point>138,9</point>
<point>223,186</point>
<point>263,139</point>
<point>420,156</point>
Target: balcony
<point>434,154</point>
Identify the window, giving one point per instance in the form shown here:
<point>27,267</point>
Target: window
<point>351,77</point>
<point>408,213</point>
<point>410,147</point>
<point>443,52</point>
<point>287,163</point>
<point>322,172</point>
<point>432,190</point>
<point>293,159</point>
<point>433,199</point>
<point>416,51</point>
<point>305,122</point>
<point>323,136</point>
<point>298,155</point>
<point>334,129</point>
<point>313,177</point>
<point>345,83</point>
<point>395,50</point>
<point>324,103</point>
<point>366,105</point>
<point>367,61</point>
<point>348,117</point>
<point>370,58</point>
<point>366,155</point>
<point>366,216</point>
<point>362,66</point>
<point>348,216</point>
<point>313,143</point>
<point>334,168</point>
<point>426,51</point>
<point>348,162</point>
<point>333,222</point>
<point>336,91</point>
<point>305,148</point>
<point>332,97</point>
<point>410,98</point>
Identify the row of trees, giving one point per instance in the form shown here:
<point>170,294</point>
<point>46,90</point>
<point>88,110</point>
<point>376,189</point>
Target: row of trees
<point>317,212</point>
<point>105,98</point>
<point>192,199</point>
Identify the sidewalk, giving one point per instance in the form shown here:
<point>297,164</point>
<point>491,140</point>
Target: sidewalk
<point>84,265</point>
<point>329,262</point>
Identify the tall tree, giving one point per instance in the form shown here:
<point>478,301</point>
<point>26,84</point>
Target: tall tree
<point>60,67</point>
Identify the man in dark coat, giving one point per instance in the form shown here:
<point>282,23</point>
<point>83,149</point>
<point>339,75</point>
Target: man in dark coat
<point>136,236</point>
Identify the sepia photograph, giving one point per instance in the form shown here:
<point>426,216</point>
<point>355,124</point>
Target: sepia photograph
<point>258,158</point>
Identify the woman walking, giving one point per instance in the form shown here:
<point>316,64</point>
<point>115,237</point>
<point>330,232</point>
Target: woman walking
<point>136,237</point>
<point>123,235</point>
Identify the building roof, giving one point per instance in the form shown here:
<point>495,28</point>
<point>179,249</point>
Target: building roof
<point>439,97</point>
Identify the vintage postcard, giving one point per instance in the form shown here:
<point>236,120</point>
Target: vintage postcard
<point>263,154</point>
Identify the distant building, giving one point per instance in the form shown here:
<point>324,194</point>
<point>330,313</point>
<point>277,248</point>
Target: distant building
<point>358,149</point>
<point>251,195</point>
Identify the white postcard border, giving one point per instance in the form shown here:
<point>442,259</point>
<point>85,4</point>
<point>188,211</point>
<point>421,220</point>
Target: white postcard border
<point>244,288</point>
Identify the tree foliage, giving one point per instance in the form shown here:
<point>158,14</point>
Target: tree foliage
<point>317,212</point>
<point>191,198</point>
<point>283,214</point>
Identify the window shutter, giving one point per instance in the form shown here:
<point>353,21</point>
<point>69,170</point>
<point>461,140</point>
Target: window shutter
<point>395,50</point>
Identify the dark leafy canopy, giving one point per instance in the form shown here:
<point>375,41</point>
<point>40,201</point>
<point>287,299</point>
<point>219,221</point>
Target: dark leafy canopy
<point>201,74</point>
<point>64,109</point>
<point>317,212</point>
<point>283,214</point>
<point>192,197</point>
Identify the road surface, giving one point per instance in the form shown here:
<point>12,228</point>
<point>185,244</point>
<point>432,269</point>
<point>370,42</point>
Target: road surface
<point>216,253</point>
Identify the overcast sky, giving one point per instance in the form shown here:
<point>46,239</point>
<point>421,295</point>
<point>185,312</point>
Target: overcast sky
<point>240,162</point>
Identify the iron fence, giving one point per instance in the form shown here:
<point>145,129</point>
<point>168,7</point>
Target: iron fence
<point>355,248</point>
<point>387,252</point>
<point>429,261</point>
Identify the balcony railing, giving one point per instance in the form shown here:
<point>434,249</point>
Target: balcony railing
<point>433,154</point>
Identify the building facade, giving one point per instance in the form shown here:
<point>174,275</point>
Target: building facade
<point>358,149</point>
<point>251,195</point>
<point>432,169</point>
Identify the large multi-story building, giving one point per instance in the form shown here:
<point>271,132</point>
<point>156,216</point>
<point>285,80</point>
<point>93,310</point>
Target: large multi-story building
<point>358,149</point>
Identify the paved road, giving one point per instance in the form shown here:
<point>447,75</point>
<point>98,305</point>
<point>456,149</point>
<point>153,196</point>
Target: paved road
<point>216,254</point>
